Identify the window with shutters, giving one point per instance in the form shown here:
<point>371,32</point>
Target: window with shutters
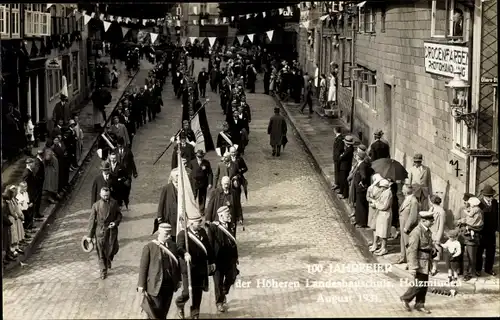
<point>366,86</point>
<point>45,24</point>
<point>4,23</point>
<point>29,28</point>
<point>16,20</point>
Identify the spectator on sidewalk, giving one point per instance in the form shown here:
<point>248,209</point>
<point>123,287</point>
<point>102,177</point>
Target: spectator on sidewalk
<point>470,226</point>
<point>39,170</point>
<point>51,180</point>
<point>27,192</point>
<point>29,130</point>
<point>60,151</point>
<point>338,149</point>
<point>114,77</point>
<point>487,242</point>
<point>452,252</point>
<point>79,138</point>
<point>383,204</point>
<point>457,221</point>
<point>323,92</point>
<point>345,165</point>
<point>408,219</point>
<point>7,253</point>
<point>308,99</point>
<point>372,195</point>
<point>17,218</point>
<point>361,181</point>
<point>58,128</point>
<point>61,110</point>
<point>13,138</point>
<point>437,230</point>
<point>379,148</point>
<point>420,176</point>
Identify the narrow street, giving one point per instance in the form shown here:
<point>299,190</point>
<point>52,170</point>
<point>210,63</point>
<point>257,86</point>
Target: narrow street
<point>292,227</point>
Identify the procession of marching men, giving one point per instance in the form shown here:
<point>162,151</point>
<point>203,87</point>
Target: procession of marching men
<point>200,207</point>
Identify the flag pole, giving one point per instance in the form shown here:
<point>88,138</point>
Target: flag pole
<point>178,132</point>
<point>183,206</point>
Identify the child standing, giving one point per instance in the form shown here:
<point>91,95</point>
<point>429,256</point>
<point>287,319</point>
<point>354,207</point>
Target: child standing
<point>453,256</point>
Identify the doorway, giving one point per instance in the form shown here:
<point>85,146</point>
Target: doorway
<point>388,117</point>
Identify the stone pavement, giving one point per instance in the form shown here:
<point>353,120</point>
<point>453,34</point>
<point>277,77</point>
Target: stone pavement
<point>292,229</point>
<point>90,137</point>
<point>317,134</point>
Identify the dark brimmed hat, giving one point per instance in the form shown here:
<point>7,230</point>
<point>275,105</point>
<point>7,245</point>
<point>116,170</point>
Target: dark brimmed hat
<point>200,153</point>
<point>105,166</point>
<point>87,246</point>
<point>418,157</point>
<point>488,191</point>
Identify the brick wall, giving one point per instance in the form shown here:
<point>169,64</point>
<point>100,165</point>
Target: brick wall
<point>419,120</point>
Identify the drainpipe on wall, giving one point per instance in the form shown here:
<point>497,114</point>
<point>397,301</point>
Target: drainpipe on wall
<point>353,58</point>
<point>470,79</point>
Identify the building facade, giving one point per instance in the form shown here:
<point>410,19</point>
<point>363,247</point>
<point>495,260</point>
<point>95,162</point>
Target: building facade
<point>202,20</point>
<point>32,36</point>
<point>394,62</point>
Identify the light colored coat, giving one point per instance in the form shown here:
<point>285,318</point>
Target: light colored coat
<point>372,194</point>
<point>438,228</point>
<point>422,177</point>
<point>332,89</point>
<point>79,141</point>
<point>408,219</point>
<point>384,216</point>
<point>121,131</point>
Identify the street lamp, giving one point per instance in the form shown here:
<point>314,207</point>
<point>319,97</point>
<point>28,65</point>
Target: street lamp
<point>458,93</point>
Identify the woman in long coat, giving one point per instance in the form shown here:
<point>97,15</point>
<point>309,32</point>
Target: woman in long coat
<point>15,217</point>
<point>383,224</point>
<point>372,194</point>
<point>51,181</point>
<point>361,181</point>
<point>79,139</point>
<point>323,92</point>
<point>437,229</point>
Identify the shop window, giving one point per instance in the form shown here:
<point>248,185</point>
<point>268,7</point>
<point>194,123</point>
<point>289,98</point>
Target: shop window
<point>366,86</point>
<point>75,71</point>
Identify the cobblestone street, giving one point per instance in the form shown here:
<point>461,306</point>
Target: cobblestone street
<point>292,229</point>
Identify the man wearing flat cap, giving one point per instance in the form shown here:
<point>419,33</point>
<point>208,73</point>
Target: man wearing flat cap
<point>277,130</point>
<point>104,179</point>
<point>159,273</point>
<point>104,220</point>
<point>487,242</point>
<point>420,176</point>
<point>199,257</point>
<point>225,247</point>
<point>420,253</point>
<point>202,176</point>
<point>379,148</point>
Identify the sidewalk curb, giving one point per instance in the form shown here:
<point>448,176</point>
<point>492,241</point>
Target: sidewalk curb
<point>470,287</point>
<point>50,211</point>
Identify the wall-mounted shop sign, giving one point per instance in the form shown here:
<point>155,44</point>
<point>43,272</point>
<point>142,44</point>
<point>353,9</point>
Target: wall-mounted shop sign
<point>53,64</point>
<point>444,59</point>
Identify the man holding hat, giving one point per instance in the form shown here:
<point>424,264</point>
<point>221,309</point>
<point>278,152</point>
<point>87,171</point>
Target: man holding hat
<point>225,247</point>
<point>420,252</point>
<point>102,180</point>
<point>345,166</point>
<point>159,273</point>
<point>487,242</point>
<point>199,257</point>
<point>103,226</point>
<point>202,176</point>
<point>277,130</point>
<point>379,148</point>
<point>420,176</point>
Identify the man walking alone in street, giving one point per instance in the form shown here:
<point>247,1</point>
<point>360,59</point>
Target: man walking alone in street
<point>277,132</point>
<point>103,226</point>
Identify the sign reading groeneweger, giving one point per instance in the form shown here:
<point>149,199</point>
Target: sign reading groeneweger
<point>444,59</point>
<point>53,64</point>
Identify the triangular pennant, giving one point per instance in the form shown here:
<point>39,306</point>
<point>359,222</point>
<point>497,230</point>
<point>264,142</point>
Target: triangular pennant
<point>154,36</point>
<point>202,22</point>
<point>224,20</point>
<point>232,18</point>
<point>111,18</point>
<point>240,39</point>
<point>216,20</point>
<point>28,45</point>
<point>263,14</point>
<point>84,11</point>
<point>86,19</point>
<point>183,40</point>
<point>78,16</point>
<point>49,5</point>
<point>178,23</point>
<point>106,25</point>
<point>248,16</point>
<point>124,31</point>
<point>92,15</point>
<point>211,41</point>
<point>191,39</point>
<point>280,11</point>
<point>195,22</point>
<point>270,34</point>
<point>250,36</point>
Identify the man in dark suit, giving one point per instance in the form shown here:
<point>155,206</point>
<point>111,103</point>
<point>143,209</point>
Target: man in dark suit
<point>379,149</point>
<point>127,162</point>
<point>223,196</point>
<point>487,239</point>
<point>39,171</point>
<point>119,178</point>
<point>338,149</point>
<point>29,176</point>
<point>202,176</point>
<point>225,247</point>
<point>61,110</point>
<point>345,166</point>
<point>225,168</point>
<point>201,261</point>
<point>102,180</point>
<point>130,125</point>
<point>187,150</point>
<point>176,82</point>
<point>202,82</point>
<point>159,273</point>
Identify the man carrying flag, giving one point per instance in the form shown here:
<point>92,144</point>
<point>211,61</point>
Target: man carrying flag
<point>192,244</point>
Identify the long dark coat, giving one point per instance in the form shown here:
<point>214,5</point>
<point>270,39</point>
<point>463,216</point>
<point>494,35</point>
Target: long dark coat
<point>97,185</point>
<point>217,200</point>
<point>277,130</point>
<point>103,213</point>
<point>167,206</point>
<point>187,150</point>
